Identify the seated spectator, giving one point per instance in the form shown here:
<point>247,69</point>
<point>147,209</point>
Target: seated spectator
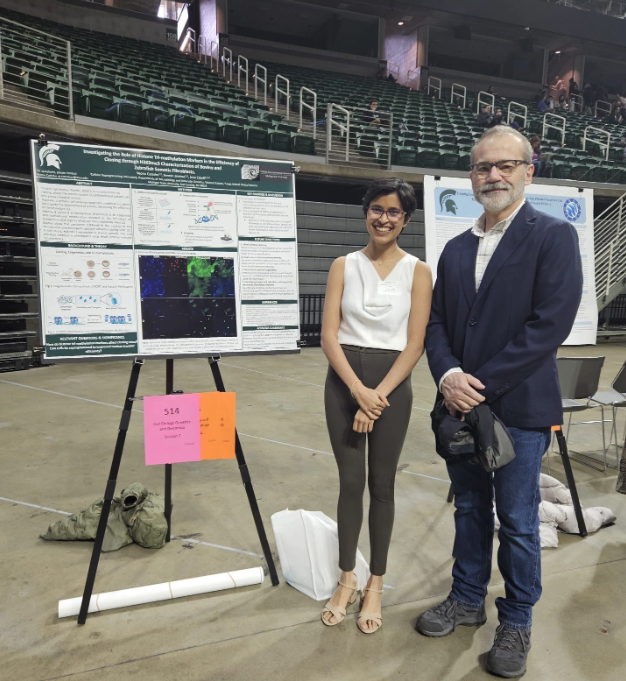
<point>497,119</point>
<point>617,117</point>
<point>541,162</point>
<point>562,103</point>
<point>544,103</point>
<point>589,97</point>
<point>485,117</point>
<point>372,117</point>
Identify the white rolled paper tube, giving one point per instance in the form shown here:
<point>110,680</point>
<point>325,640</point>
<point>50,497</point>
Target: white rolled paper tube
<point>164,592</point>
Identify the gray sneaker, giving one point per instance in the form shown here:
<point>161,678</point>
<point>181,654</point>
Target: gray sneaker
<point>444,618</point>
<point>508,655</point>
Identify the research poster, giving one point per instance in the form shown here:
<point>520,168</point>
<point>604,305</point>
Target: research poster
<point>148,254</point>
<point>450,209</point>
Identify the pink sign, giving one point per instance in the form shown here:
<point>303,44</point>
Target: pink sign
<point>171,428</point>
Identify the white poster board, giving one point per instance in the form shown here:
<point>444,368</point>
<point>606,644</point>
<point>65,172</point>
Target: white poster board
<point>450,209</point>
<point>162,254</point>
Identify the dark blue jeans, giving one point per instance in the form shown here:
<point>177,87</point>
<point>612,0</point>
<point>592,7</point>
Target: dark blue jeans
<point>516,488</point>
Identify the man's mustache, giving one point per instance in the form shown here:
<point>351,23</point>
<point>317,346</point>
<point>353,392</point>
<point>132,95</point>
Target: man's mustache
<point>493,185</point>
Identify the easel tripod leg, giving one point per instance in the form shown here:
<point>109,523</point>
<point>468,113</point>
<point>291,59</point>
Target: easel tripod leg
<point>109,491</point>
<point>582,528</point>
<point>169,389</point>
<point>247,483</point>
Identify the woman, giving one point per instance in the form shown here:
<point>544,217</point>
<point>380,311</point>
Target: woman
<point>375,315</point>
<point>535,143</point>
<point>563,103</point>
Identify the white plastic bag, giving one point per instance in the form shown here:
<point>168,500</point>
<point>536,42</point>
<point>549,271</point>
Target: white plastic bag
<point>308,550</point>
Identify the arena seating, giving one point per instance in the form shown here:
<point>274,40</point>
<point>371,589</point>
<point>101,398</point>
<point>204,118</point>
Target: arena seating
<point>141,83</point>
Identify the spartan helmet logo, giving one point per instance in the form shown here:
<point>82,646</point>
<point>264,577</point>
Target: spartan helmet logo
<point>446,202</point>
<point>48,157</point>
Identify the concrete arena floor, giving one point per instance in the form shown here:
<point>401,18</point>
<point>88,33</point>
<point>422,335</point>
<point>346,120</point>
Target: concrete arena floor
<point>57,430</point>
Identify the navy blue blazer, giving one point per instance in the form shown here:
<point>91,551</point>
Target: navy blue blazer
<point>507,334</point>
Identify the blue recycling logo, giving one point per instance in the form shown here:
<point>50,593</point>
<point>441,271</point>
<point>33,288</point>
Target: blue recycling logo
<point>572,209</point>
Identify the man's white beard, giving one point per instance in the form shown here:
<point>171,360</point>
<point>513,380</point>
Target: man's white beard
<point>496,202</point>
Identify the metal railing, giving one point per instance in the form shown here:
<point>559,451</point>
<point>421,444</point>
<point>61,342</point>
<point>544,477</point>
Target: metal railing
<point>278,91</point>
<point>189,40</point>
<point>460,92</point>
<point>485,99</point>
<point>610,252</point>
<point>36,70</point>
<point>413,77</point>
<point>359,137</point>
<point>343,128</point>
<point>393,69</point>
<point>435,85</point>
<point>576,103</point>
<point>309,107</point>
<point>311,313</point>
<point>606,145</point>
<point>260,79</point>
<point>604,108</point>
<point>241,69</point>
<point>208,52</point>
<point>553,126</point>
<point>227,57</point>
<point>521,112</point>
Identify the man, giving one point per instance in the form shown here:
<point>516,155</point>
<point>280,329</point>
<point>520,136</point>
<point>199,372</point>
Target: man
<point>485,117</point>
<point>372,117</point>
<point>506,296</point>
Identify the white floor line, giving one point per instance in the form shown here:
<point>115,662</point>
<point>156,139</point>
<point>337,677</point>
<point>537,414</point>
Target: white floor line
<point>265,373</point>
<point>430,477</point>
<point>193,541</point>
<point>53,392</point>
<point>286,444</point>
<point>42,508</point>
<point>136,409</point>
<point>285,378</point>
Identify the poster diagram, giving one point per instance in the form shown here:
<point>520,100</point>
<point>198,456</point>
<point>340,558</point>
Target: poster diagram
<point>146,253</point>
<point>450,209</point>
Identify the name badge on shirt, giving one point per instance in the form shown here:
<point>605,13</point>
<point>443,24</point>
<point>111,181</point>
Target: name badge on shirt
<point>389,288</point>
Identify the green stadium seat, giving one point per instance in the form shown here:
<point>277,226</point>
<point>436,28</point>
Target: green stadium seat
<point>280,141</point>
<point>302,144</point>
<point>233,134</point>
<point>206,128</point>
<point>155,117</point>
<point>97,105</point>
<point>257,138</point>
<point>405,156</point>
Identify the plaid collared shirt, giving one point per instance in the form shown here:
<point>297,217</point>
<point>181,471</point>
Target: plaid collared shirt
<point>488,242</point>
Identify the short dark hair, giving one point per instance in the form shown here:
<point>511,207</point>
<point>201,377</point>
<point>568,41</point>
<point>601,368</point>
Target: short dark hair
<point>391,185</point>
<point>373,101</point>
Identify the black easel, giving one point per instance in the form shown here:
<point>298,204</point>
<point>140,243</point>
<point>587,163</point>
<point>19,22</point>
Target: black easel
<point>109,492</point>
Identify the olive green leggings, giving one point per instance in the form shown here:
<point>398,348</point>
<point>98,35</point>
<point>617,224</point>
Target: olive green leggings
<point>384,448</point>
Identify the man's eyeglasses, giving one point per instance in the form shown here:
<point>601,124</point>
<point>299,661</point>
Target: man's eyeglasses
<point>505,168</point>
<point>393,214</point>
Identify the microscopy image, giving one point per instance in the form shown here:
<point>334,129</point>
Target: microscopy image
<point>172,318</point>
<point>187,297</point>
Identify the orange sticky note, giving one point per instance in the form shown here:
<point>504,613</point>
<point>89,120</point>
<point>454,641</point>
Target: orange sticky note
<point>217,425</point>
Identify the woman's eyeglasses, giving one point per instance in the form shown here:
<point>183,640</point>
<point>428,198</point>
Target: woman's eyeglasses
<point>393,214</point>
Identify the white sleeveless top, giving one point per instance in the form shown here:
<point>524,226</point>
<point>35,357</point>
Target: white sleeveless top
<point>375,313</point>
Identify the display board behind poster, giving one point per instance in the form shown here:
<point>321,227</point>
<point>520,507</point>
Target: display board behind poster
<point>450,209</point>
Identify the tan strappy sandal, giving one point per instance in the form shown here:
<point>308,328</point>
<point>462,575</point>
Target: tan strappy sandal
<point>336,610</point>
<point>375,617</point>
